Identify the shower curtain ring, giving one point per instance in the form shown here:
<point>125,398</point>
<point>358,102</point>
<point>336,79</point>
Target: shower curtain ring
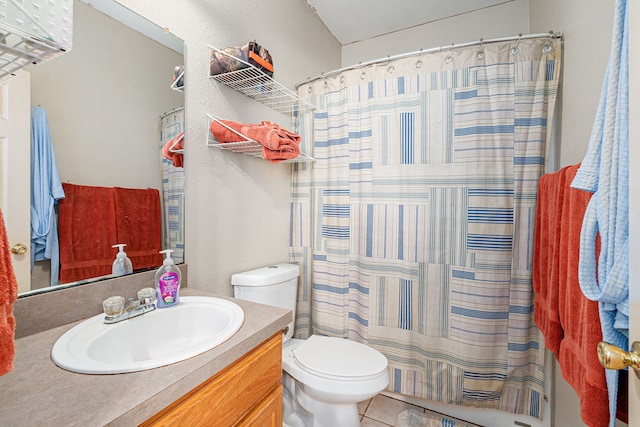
<point>419,61</point>
<point>548,46</point>
<point>480,54</point>
<point>516,49</point>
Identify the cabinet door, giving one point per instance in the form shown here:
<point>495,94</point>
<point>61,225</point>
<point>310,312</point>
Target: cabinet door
<point>228,397</point>
<point>268,413</point>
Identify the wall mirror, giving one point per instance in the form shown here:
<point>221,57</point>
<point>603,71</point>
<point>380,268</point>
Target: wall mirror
<point>111,106</point>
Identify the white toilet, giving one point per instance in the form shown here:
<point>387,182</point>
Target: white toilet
<point>324,377</point>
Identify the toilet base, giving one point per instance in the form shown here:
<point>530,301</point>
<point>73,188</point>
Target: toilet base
<point>293,414</point>
<point>328,414</point>
<point>301,410</point>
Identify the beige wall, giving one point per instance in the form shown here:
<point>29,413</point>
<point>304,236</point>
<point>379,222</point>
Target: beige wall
<point>586,26</point>
<point>506,19</point>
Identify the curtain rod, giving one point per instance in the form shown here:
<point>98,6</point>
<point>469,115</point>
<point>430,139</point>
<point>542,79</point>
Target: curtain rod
<point>550,34</point>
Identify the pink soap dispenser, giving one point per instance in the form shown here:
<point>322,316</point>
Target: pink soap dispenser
<point>168,279</point>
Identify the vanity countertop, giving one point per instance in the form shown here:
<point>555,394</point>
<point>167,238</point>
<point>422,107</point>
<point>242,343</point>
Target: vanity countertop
<point>37,392</point>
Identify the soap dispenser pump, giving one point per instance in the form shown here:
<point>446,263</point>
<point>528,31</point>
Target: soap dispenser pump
<point>167,281</point>
<point>122,264</point>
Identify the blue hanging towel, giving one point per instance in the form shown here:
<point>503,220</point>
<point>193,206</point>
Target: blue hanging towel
<point>605,172</point>
<point>46,190</point>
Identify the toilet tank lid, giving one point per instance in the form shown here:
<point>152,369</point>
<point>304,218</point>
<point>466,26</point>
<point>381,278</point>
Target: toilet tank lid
<point>266,276</point>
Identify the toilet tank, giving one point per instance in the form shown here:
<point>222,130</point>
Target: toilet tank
<point>275,285</point>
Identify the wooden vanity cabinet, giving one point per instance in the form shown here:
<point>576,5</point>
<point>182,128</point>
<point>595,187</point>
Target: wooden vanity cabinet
<point>246,393</point>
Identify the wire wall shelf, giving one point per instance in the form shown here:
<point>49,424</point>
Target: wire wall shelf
<point>246,146</point>
<point>18,50</point>
<point>32,32</point>
<point>259,86</point>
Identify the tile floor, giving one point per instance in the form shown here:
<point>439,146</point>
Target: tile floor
<point>381,411</point>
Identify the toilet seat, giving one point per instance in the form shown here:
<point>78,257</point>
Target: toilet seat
<point>339,359</point>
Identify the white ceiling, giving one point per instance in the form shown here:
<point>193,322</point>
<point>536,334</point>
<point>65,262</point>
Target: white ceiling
<point>355,20</point>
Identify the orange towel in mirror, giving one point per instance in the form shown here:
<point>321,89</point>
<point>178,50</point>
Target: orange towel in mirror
<point>87,227</point>
<point>139,225</point>
<point>172,150</point>
<point>92,219</point>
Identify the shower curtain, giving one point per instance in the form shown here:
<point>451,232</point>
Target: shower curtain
<point>172,123</point>
<point>414,226</point>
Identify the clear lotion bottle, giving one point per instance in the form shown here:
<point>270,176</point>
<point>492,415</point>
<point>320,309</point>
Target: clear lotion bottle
<point>168,279</point>
<point>122,264</point>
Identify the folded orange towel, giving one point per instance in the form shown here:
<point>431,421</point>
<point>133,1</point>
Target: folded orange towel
<point>271,135</point>
<point>278,143</point>
<point>285,152</point>
<point>8,294</point>
<point>222,131</point>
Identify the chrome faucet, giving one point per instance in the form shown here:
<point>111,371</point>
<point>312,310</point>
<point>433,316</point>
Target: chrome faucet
<point>116,310</point>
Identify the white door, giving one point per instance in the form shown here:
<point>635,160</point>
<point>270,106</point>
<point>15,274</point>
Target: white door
<point>15,171</point>
<point>634,205</point>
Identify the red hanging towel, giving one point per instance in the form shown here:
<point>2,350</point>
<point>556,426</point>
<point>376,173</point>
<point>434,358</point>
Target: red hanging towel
<point>87,227</point>
<point>139,225</point>
<point>569,321</point>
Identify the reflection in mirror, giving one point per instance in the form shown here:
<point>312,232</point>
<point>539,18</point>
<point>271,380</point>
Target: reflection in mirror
<point>111,108</point>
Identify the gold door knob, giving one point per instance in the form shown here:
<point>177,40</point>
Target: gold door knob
<point>19,249</point>
<point>613,357</point>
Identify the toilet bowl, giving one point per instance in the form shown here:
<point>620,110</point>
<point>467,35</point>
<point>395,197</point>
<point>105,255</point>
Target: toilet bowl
<point>324,377</point>
<point>332,375</point>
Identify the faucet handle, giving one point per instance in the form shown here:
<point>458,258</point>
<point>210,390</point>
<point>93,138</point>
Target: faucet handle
<point>113,306</point>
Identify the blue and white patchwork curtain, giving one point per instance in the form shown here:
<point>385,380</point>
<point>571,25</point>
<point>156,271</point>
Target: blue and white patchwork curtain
<point>414,226</point>
<point>171,124</point>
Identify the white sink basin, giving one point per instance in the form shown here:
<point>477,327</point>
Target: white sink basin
<point>154,339</point>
